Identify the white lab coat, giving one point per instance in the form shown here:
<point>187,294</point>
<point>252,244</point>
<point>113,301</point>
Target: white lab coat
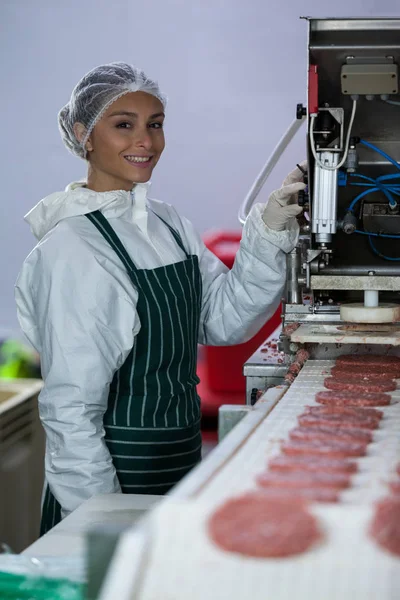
<point>77,306</point>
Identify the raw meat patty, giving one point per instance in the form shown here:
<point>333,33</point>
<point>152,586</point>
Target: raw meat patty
<point>385,526</point>
<point>310,494</point>
<point>337,420</point>
<point>352,399</point>
<point>286,464</point>
<point>372,362</point>
<point>260,526</point>
<point>360,373</point>
<point>301,479</point>
<point>331,433</point>
<point>354,385</point>
<point>348,411</point>
<point>329,448</point>
<point>368,359</point>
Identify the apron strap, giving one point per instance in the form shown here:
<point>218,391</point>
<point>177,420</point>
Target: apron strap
<point>101,223</point>
<point>175,234</point>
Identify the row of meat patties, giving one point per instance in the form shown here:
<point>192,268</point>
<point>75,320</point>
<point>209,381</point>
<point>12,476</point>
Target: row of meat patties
<point>316,463</point>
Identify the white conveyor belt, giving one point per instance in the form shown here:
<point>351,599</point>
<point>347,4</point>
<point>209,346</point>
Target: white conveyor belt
<point>181,561</point>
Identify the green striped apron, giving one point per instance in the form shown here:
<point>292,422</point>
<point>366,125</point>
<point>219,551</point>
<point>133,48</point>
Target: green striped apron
<point>152,423</point>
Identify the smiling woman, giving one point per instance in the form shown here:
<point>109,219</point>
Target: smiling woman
<point>119,291</point>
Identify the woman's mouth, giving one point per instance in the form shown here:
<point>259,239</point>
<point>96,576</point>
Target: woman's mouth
<point>142,162</point>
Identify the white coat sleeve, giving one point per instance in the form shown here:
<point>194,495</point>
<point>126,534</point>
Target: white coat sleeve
<point>83,325</point>
<point>237,303</point>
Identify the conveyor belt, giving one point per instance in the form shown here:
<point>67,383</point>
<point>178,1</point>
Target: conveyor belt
<point>377,467</point>
<point>183,563</point>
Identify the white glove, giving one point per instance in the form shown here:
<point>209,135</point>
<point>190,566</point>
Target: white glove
<point>282,204</point>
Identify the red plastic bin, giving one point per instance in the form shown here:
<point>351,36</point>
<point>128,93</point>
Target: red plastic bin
<point>224,364</point>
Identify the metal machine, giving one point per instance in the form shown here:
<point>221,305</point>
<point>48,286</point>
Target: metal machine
<point>343,277</point>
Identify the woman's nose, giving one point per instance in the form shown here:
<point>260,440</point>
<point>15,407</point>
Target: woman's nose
<point>144,140</point>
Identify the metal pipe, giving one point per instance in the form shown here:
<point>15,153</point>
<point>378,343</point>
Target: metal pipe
<point>267,168</point>
<point>387,270</point>
<point>292,283</point>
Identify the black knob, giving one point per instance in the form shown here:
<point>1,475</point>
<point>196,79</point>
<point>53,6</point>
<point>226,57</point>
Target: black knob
<point>253,396</point>
<point>301,111</point>
<point>303,198</point>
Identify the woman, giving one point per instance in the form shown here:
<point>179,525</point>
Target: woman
<point>117,294</point>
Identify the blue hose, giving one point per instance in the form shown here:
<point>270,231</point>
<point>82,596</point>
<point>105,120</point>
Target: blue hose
<point>381,235</point>
<point>360,196</point>
<point>375,185</point>
<point>386,189</point>
<point>381,152</point>
<point>376,251</point>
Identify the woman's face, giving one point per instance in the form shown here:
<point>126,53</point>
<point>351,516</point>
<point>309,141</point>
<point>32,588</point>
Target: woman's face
<point>126,143</point>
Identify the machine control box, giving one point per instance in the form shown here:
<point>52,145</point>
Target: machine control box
<point>369,79</point>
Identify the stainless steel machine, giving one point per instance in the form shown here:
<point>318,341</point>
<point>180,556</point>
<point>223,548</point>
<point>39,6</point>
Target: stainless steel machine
<point>343,277</point>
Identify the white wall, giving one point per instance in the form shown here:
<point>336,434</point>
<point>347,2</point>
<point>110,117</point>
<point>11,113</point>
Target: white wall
<point>233,70</point>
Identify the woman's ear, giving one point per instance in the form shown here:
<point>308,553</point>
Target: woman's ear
<point>80,132</point>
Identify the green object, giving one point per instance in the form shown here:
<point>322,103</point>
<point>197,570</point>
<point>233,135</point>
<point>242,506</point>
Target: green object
<point>152,423</point>
<point>21,587</point>
<point>17,361</point>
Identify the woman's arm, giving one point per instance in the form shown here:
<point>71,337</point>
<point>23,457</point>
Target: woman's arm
<point>237,303</point>
<point>83,324</point>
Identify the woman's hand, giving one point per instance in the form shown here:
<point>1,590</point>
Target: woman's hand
<point>282,204</point>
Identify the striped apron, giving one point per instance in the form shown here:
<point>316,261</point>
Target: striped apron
<point>152,423</point>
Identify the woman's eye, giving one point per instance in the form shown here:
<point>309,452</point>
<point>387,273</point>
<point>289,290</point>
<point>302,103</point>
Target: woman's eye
<point>124,125</point>
<point>156,125</point>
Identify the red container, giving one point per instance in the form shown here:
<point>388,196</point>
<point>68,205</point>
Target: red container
<point>224,364</point>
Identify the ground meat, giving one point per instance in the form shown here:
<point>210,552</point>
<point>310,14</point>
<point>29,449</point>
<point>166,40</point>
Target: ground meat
<point>297,365</point>
<point>302,356</point>
<point>331,433</point>
<point>311,494</point>
<point>264,527</point>
<point>395,487</point>
<point>372,362</point>
<point>289,377</point>
<point>329,448</point>
<point>351,399</point>
<point>360,374</point>
<point>354,385</point>
<point>341,421</point>
<point>290,328</point>
<point>295,368</point>
<point>286,464</point>
<point>301,479</point>
<point>348,411</point>
<point>368,359</point>
<point>385,526</point>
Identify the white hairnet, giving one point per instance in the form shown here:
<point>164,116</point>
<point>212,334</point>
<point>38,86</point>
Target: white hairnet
<point>95,93</point>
